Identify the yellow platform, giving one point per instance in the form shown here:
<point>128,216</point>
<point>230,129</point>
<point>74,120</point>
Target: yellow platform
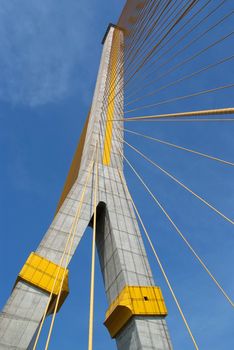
<point>47,276</point>
<point>134,301</point>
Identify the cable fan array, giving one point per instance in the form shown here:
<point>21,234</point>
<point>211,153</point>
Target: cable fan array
<point>173,69</point>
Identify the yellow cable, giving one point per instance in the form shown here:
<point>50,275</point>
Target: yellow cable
<point>68,253</point>
<point>205,112</point>
<point>62,259</point>
<point>180,233</point>
<point>178,120</point>
<point>92,279</point>
<point>179,147</point>
<point>160,265</point>
<point>180,183</point>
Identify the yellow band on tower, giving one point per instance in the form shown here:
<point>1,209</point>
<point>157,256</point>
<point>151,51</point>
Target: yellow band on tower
<point>134,301</point>
<point>111,97</point>
<point>45,275</point>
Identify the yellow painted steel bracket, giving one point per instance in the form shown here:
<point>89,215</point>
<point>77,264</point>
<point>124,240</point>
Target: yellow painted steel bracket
<point>134,301</point>
<point>47,276</point>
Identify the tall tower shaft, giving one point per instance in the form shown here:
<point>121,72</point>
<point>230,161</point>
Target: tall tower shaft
<point>136,314</point>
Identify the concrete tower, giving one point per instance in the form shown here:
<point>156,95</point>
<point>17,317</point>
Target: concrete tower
<point>136,314</point>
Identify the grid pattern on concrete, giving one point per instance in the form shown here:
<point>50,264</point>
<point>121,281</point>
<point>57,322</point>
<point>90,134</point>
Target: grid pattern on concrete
<point>122,254</point>
<point>21,316</point>
<point>148,333</point>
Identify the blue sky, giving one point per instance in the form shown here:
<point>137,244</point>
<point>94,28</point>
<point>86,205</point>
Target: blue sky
<point>49,59</point>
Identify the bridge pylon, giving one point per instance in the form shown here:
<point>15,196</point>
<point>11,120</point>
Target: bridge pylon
<point>136,313</point>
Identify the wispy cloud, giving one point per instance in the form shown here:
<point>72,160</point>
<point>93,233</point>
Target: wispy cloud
<point>40,43</point>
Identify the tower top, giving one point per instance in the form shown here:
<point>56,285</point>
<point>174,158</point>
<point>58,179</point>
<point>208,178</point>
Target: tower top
<point>110,25</point>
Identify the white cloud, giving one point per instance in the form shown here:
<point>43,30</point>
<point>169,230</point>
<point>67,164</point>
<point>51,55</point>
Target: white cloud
<point>40,44</point>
